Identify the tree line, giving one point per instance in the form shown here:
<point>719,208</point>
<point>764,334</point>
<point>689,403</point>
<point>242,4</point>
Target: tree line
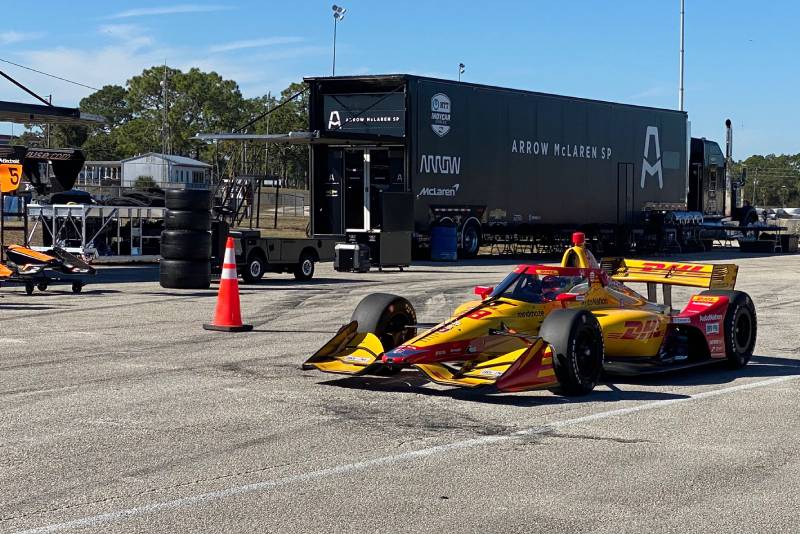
<point>163,108</point>
<point>772,180</point>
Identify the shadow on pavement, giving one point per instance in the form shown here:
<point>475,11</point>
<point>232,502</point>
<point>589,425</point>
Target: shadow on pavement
<point>408,382</point>
<point>717,373</point>
<point>127,274</point>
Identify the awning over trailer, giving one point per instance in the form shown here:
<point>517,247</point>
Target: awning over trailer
<point>292,138</point>
<point>23,113</point>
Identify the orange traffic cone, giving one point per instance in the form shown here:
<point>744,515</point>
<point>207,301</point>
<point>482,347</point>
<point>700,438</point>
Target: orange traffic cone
<point>227,317</point>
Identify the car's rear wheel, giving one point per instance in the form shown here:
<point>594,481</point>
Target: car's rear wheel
<point>577,343</point>
<point>740,327</point>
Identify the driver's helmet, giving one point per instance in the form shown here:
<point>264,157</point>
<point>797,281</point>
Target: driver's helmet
<point>551,285</point>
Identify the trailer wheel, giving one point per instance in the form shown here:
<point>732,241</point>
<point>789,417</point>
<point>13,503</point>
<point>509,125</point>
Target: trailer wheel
<point>470,239</point>
<point>304,270</point>
<point>254,269</point>
<point>577,342</point>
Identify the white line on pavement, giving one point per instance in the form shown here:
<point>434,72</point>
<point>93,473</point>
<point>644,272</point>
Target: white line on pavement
<point>264,485</point>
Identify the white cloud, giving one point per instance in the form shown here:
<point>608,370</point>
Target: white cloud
<point>168,10</point>
<point>11,37</point>
<point>124,50</point>
<point>131,35</point>
<point>253,43</point>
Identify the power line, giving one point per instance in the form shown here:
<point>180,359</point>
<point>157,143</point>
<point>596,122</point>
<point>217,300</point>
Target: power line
<point>48,74</point>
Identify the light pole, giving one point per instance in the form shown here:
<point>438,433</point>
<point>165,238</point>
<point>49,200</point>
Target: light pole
<point>461,68</point>
<point>680,80</point>
<point>338,14</point>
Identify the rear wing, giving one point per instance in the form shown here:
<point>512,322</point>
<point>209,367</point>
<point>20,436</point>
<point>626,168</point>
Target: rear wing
<point>707,276</point>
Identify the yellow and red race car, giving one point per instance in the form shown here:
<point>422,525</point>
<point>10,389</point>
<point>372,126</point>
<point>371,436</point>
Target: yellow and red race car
<point>546,327</point>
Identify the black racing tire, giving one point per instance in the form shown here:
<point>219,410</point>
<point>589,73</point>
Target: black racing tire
<point>41,286</point>
<point>255,267</point>
<point>304,270</point>
<point>470,239</point>
<point>185,245</point>
<point>577,342</point>
<point>199,221</point>
<point>77,287</point>
<point>188,199</point>
<point>386,316</point>
<point>185,274</point>
<point>29,287</point>
<point>740,326</point>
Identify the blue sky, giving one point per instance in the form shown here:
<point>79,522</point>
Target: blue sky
<point>741,57</point>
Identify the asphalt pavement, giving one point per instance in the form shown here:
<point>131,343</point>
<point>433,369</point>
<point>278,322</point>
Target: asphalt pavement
<point>119,413</point>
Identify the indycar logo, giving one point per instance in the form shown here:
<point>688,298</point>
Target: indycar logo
<point>440,114</point>
<point>647,168</point>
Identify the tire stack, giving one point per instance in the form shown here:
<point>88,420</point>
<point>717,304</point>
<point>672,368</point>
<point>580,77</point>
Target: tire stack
<point>186,240</point>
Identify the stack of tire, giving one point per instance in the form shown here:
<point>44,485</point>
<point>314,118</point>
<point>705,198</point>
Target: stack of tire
<point>186,240</point>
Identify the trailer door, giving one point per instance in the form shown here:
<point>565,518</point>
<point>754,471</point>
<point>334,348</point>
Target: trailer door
<point>624,193</point>
<point>356,188</point>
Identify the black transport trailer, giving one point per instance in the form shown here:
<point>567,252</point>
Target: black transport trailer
<point>502,162</point>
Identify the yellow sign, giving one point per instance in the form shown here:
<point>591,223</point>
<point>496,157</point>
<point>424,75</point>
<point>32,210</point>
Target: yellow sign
<point>10,177</point>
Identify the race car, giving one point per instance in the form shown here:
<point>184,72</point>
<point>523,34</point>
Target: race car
<point>38,269</point>
<point>559,328</point>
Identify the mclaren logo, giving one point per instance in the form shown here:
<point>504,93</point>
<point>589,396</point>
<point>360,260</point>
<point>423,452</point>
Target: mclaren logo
<point>438,191</point>
<point>655,168</point>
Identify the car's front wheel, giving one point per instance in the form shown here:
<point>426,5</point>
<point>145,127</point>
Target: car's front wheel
<point>577,343</point>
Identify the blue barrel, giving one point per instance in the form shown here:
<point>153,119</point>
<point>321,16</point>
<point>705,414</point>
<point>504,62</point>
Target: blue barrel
<point>444,243</point>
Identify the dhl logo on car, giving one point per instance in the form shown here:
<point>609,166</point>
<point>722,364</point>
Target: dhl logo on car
<point>639,330</point>
<point>701,298</point>
<point>649,266</point>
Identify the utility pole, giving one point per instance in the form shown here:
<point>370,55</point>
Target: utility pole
<point>50,100</point>
<point>680,77</point>
<point>164,128</point>
<point>461,69</point>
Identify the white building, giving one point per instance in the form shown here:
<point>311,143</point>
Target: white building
<point>166,171</point>
<point>100,173</point>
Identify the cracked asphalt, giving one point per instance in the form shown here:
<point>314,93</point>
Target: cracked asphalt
<point>119,413</point>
